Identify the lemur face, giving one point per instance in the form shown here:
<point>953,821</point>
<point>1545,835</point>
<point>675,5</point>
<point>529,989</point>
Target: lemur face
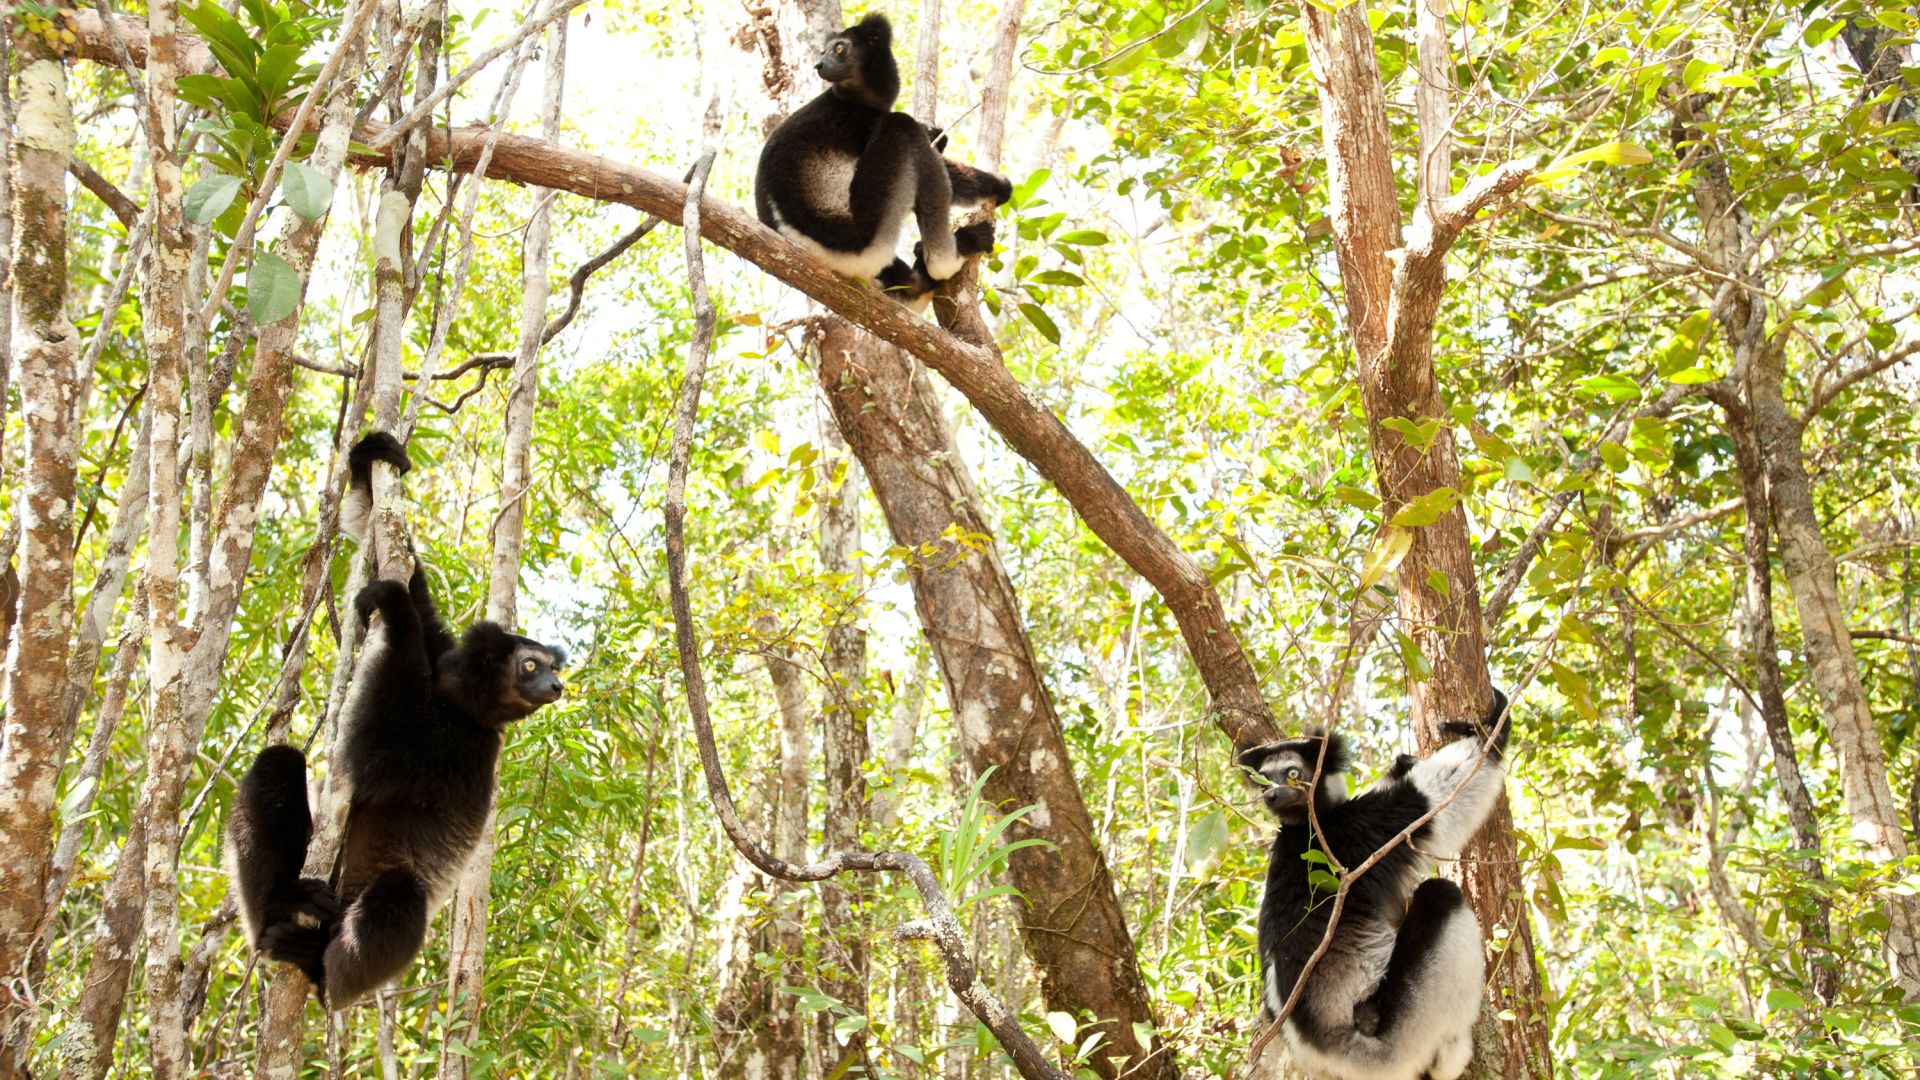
<point>838,64</point>
<point>858,62</point>
<point>1287,770</point>
<point>535,669</point>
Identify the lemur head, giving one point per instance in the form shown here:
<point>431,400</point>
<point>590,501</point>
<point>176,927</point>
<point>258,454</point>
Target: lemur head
<point>858,61</point>
<point>500,677</point>
<point>1286,767</point>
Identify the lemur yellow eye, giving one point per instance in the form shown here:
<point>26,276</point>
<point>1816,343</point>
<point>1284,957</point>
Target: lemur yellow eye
<point>530,665</point>
<point>840,48</point>
<point>1293,773</point>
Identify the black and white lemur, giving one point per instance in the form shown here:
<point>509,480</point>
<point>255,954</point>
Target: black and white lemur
<point>839,176</point>
<point>1396,995</point>
<point>422,730</point>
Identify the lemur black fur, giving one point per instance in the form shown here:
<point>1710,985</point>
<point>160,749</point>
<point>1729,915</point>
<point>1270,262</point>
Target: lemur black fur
<point>1397,992</point>
<point>839,176</point>
<point>422,730</point>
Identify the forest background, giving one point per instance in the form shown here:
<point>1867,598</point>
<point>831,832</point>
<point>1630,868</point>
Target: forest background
<point>1646,461</point>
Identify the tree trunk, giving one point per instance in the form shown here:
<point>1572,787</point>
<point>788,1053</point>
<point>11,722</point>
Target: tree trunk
<point>1757,604</point>
<point>1756,384</point>
<point>843,750</point>
<point>1072,925</point>
<point>36,662</point>
<point>467,947</point>
<point>1391,312</point>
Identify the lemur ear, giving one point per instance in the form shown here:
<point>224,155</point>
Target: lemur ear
<point>1339,754</point>
<point>878,29</point>
<point>1254,757</point>
<point>487,642</point>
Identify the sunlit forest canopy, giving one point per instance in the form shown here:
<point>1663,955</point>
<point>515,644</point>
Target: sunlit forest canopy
<point>1335,366</point>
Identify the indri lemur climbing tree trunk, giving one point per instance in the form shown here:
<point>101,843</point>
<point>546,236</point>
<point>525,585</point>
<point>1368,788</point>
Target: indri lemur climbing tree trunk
<point>1391,308</point>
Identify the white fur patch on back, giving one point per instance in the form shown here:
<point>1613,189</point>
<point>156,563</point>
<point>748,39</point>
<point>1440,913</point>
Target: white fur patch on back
<point>830,177</point>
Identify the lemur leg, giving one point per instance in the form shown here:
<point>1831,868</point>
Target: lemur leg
<point>1435,973</point>
<point>267,835</point>
<point>908,284</point>
<point>933,212</point>
<point>885,185</point>
<point>378,937</point>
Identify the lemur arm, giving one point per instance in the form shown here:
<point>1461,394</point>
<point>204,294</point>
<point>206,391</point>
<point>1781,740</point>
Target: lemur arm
<point>1467,781</point>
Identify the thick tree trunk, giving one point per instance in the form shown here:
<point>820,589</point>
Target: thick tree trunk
<point>34,742</point>
<point>1072,925</point>
<point>1391,310</point>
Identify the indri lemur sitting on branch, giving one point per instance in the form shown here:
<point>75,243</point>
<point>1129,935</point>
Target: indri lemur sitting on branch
<point>839,176</point>
<point>1396,994</point>
<point>422,730</point>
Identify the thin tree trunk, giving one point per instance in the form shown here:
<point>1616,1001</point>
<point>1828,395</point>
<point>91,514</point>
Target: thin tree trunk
<point>1391,310</point>
<point>468,943</point>
<point>1755,386</point>
<point>843,750</point>
<point>36,662</point>
<point>1072,926</point>
<point>1757,611</point>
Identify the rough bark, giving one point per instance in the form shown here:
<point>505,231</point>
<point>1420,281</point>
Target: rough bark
<point>1072,926</point>
<point>36,662</point>
<point>468,942</point>
<point>1391,310</point>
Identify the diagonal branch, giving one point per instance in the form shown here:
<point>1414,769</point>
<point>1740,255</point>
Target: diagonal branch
<point>967,360</point>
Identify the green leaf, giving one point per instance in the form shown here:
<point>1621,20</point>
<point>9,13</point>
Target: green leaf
<point>1781,999</point>
<point>649,1035</point>
<point>1356,497</point>
<point>1063,1026</point>
<point>307,190</point>
<point>1082,237</point>
<point>1612,386</point>
<point>1692,376</point>
<point>1206,838</point>
<point>210,196</point>
<point>1419,435</point>
<point>1041,321</point>
<point>1613,153</point>
<point>1696,73</point>
<point>1389,548</point>
<point>273,288</point>
<point>1426,509</point>
<point>1058,277</point>
<point>1439,582</point>
<point>844,1028</point>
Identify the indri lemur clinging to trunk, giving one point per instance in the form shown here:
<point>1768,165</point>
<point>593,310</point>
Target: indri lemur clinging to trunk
<point>1396,995</point>
<point>840,175</point>
<point>421,732</point>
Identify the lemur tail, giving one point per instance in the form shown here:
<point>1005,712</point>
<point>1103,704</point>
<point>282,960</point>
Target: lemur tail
<point>357,506</point>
